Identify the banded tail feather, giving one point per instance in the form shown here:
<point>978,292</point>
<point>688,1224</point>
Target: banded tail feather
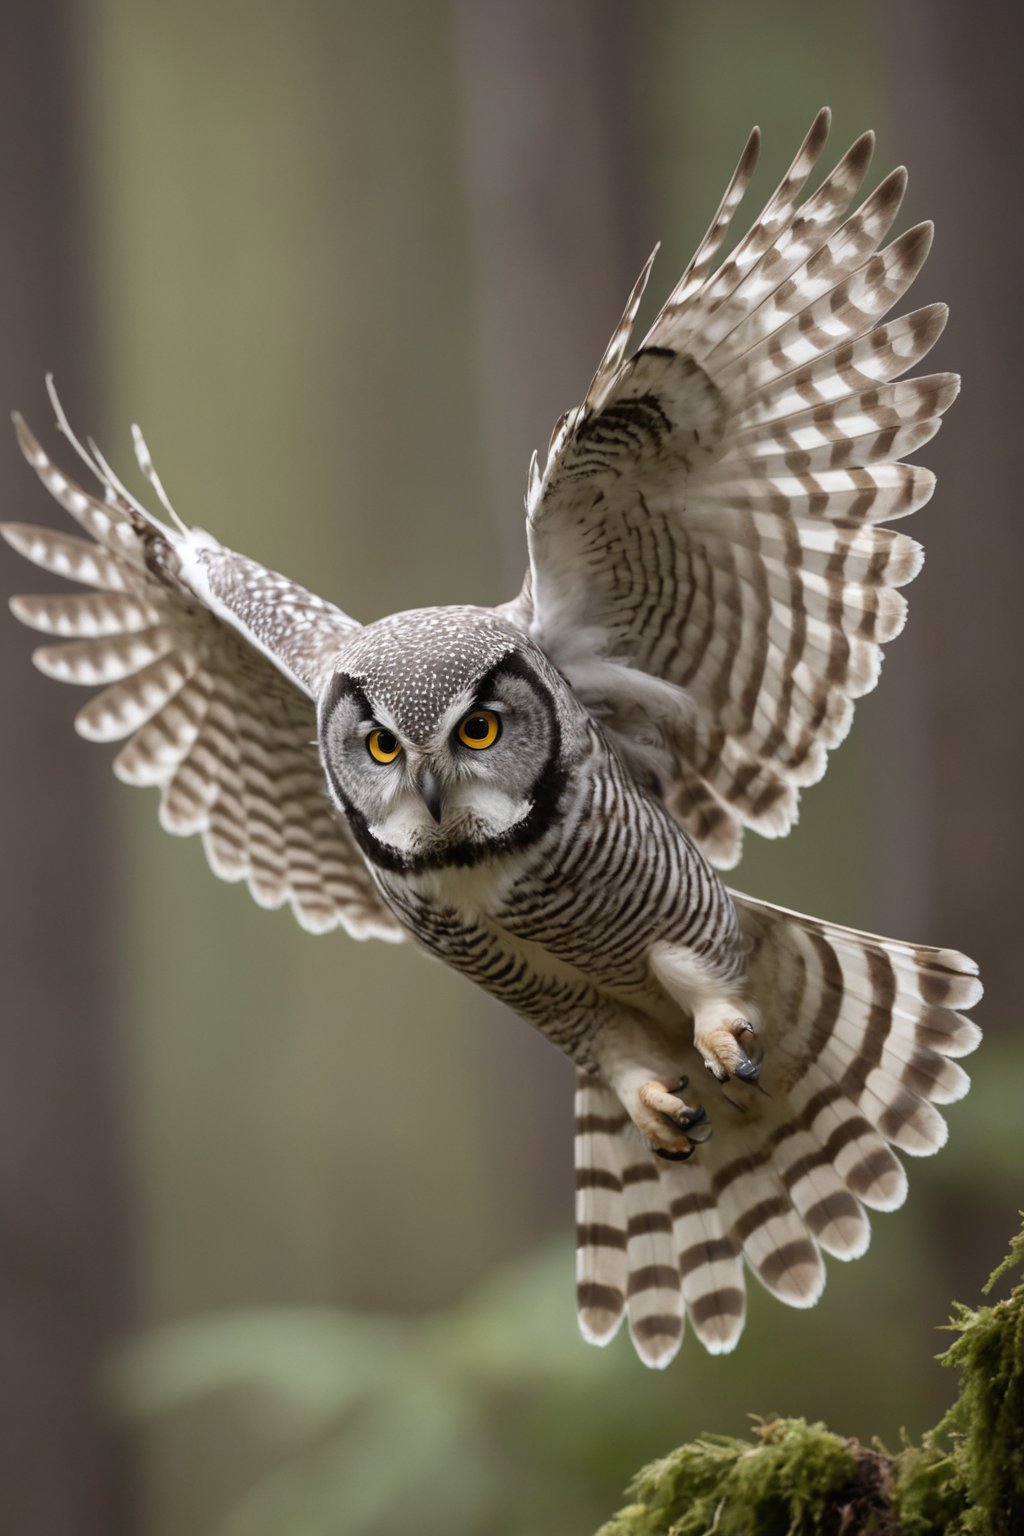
<point>602,1127</point>
<point>861,1036</point>
<point>627,1258</point>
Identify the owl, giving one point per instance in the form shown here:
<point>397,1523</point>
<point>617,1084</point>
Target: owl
<point>541,794</point>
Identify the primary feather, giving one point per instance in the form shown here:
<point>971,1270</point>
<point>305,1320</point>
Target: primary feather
<point>708,514</point>
<point>206,715</point>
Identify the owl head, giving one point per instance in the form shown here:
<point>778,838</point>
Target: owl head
<point>442,733</point>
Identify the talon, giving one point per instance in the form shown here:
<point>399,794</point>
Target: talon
<point>699,1130</point>
<point>750,1067</point>
<point>670,1126</point>
<point>718,1041</point>
<point>693,1120</point>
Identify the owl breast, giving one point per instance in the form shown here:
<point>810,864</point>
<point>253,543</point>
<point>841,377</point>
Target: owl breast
<point>561,930</point>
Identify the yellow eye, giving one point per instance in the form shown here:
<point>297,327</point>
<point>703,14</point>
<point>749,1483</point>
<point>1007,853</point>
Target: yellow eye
<point>383,746</point>
<point>480,729</point>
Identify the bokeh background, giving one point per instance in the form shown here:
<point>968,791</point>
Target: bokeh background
<point>347,263</point>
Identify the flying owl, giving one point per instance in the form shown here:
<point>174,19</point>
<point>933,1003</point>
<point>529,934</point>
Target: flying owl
<point>540,794</point>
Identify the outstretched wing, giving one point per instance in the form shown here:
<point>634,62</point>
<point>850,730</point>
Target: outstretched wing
<point>211,666</point>
<point>705,561</point>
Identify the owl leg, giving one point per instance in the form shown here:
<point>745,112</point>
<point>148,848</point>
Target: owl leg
<point>670,1126</point>
<point>724,1037</point>
<point>672,1129</point>
<point>724,1025</point>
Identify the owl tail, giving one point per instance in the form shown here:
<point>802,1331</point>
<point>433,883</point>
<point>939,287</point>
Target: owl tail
<point>858,1034</point>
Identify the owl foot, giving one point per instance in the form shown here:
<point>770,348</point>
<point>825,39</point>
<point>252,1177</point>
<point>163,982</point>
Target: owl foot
<point>718,1039</point>
<point>671,1128</point>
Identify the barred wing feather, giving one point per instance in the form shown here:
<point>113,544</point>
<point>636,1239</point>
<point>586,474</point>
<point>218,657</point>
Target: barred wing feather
<point>862,1040</point>
<point>705,561</point>
<point>209,667</point>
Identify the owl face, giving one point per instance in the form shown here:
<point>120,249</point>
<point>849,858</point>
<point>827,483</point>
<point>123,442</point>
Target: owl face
<point>441,741</point>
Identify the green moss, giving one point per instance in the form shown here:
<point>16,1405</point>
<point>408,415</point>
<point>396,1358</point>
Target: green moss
<point>786,1482</point>
<point>967,1479</point>
<point>800,1479</point>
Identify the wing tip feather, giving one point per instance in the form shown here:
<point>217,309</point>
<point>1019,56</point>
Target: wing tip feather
<point>750,153</point>
<point>29,444</point>
<point>914,244</point>
<point>862,148</point>
<point>9,532</point>
<point>819,131</point>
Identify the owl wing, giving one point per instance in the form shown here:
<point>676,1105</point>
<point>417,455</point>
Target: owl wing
<point>706,565</point>
<point>211,666</point>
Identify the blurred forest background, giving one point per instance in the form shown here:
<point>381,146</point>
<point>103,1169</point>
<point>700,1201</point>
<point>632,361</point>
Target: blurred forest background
<point>346,263</point>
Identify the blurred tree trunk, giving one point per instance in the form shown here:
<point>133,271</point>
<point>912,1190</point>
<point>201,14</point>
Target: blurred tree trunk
<point>948,790</point>
<point>554,182</point>
<point>952,86</point>
<point>63,1289</point>
<point>554,177</point>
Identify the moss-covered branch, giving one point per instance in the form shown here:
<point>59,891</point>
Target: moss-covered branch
<point>799,1479</point>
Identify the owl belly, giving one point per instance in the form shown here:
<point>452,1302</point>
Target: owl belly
<point>460,917</point>
<point>562,932</point>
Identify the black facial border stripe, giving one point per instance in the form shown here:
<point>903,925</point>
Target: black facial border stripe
<point>512,664</point>
<point>341,686</point>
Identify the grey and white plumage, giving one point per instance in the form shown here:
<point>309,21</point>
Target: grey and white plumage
<point>539,793</point>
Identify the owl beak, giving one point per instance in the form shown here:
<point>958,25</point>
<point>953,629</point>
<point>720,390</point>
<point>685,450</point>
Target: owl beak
<point>433,795</point>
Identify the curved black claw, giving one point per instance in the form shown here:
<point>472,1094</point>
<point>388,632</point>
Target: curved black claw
<point>750,1066</point>
<point>696,1125</point>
